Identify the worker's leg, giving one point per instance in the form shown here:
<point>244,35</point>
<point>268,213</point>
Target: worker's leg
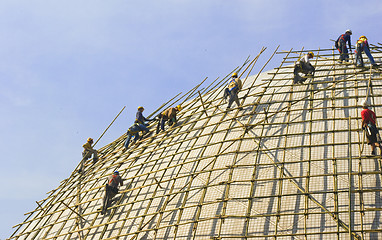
<point>358,58</point>
<point>127,142</point>
<point>231,98</point>
<point>136,137</point>
<point>368,54</point>
<point>95,155</point>
<point>344,51</point>
<point>162,122</point>
<point>297,69</point>
<point>143,127</point>
<point>235,96</point>
<point>226,93</point>
<point>308,68</point>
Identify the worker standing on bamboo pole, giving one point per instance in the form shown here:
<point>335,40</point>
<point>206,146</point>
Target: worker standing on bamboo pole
<point>369,125</point>
<point>341,45</point>
<point>363,46</point>
<point>89,151</point>
<point>303,65</point>
<point>234,86</point>
<point>111,189</point>
<point>168,115</point>
<point>134,131</point>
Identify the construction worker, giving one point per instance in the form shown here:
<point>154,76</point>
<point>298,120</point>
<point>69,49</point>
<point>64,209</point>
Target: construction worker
<point>369,125</point>
<point>89,151</point>
<point>234,86</point>
<point>303,66</point>
<point>134,131</point>
<point>139,118</point>
<point>168,115</point>
<point>363,46</point>
<point>111,189</point>
<point>341,45</point>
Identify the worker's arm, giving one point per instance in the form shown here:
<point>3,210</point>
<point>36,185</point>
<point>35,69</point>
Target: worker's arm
<point>87,146</point>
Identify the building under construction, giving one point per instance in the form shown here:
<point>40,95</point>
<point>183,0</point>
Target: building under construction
<point>293,164</point>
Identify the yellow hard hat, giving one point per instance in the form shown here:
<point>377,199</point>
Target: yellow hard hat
<point>90,139</point>
<point>179,107</point>
<point>140,107</point>
<point>363,37</point>
<point>311,53</point>
<point>234,74</point>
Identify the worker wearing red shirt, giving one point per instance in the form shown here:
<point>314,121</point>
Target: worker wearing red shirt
<point>369,124</point>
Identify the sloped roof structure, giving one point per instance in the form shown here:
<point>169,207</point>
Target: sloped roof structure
<point>292,164</point>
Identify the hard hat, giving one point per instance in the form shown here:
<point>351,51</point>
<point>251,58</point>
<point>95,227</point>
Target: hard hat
<point>311,53</point>
<point>179,107</point>
<point>363,37</point>
<point>140,107</point>
<point>90,139</point>
<point>116,172</point>
<point>348,30</point>
<point>234,74</point>
<point>365,103</point>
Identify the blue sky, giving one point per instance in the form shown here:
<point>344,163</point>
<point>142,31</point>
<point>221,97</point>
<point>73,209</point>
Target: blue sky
<point>68,67</point>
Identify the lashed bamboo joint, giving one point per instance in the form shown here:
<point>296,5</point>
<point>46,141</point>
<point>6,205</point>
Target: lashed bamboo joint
<point>291,164</point>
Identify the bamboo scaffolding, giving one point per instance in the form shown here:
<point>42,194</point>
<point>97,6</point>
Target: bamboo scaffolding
<point>174,172</point>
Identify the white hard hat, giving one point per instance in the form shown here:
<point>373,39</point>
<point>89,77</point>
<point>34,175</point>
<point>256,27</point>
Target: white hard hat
<point>348,30</point>
<point>365,103</point>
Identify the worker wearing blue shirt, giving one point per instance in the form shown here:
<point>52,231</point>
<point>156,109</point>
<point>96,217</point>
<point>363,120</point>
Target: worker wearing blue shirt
<point>341,45</point>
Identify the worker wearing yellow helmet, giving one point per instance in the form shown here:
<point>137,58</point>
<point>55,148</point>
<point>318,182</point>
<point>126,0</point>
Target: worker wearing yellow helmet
<point>168,115</point>
<point>303,66</point>
<point>139,118</point>
<point>232,91</point>
<point>89,151</point>
<point>363,46</point>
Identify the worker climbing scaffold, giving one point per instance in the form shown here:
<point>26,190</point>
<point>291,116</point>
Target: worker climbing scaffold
<point>363,46</point>
<point>232,91</point>
<point>111,189</point>
<point>303,65</point>
<point>369,126</point>
<point>89,151</point>
<point>340,44</point>
<point>134,130</point>
<point>140,119</point>
<point>168,115</point>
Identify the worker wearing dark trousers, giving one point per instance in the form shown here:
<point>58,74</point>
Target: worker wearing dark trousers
<point>168,115</point>
<point>363,46</point>
<point>303,66</point>
<point>234,86</point>
<point>111,189</point>
<point>341,45</point>
<point>134,131</point>
<point>369,125</point>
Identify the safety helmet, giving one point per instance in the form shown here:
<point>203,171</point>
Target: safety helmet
<point>116,172</point>
<point>234,74</point>
<point>179,107</point>
<point>140,107</point>
<point>365,104</point>
<point>363,37</point>
<point>349,31</point>
<point>90,139</point>
<point>311,54</point>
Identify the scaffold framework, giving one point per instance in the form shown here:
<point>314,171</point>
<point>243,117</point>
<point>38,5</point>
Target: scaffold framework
<point>293,164</point>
